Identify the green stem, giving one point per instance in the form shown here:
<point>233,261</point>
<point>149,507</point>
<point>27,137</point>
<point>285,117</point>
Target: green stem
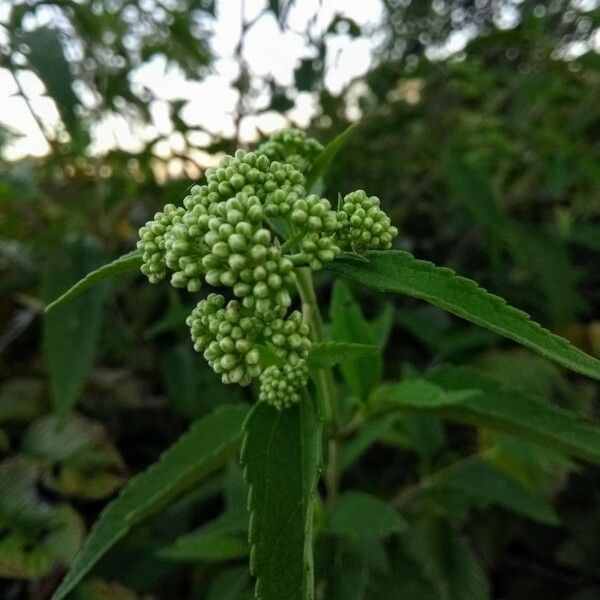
<point>312,316</point>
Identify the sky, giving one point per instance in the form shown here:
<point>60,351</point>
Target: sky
<point>210,102</point>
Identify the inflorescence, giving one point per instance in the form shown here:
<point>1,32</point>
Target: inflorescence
<point>224,235</point>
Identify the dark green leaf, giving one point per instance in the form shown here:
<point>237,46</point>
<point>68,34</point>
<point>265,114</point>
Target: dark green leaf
<point>400,272</point>
<point>485,403</point>
<point>356,514</point>
<point>212,548</point>
<point>349,325</point>
<point>281,458</point>
<point>326,157</point>
<point>206,447</point>
<point>328,354</point>
<point>128,262</point>
<point>447,560</point>
<point>71,334</point>
<point>229,584</point>
<point>47,59</point>
<point>486,485</point>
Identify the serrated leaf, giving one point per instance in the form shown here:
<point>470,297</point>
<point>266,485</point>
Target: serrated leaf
<point>400,272</point>
<point>485,403</point>
<point>328,354</point>
<point>128,262</point>
<point>326,157</point>
<point>281,458</point>
<point>71,335</point>
<point>361,515</point>
<point>207,446</point>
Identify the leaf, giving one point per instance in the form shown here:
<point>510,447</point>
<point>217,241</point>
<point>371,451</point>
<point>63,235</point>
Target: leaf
<point>46,58</point>
<point>365,437</point>
<point>75,456</point>
<point>357,514</point>
<point>128,262</point>
<point>281,458</point>
<point>326,157</point>
<point>400,272</point>
<point>36,536</point>
<point>447,560</point>
<point>484,484</point>
<point>497,407</point>
<point>211,548</point>
<point>70,335</point>
<point>349,325</point>
<point>229,584</point>
<point>203,449</point>
<point>328,354</point>
<point>215,541</point>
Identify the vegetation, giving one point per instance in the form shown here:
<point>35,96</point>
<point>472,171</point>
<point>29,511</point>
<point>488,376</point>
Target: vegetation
<point>344,435</point>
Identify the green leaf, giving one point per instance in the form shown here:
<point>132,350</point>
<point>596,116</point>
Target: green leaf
<point>75,456</point>
<point>328,354</point>
<point>70,335</point>
<point>485,403</point>
<point>400,272</point>
<point>229,584</point>
<point>216,541</point>
<point>486,485</point>
<point>447,560</point>
<point>281,458</point>
<point>207,446</point>
<point>357,514</point>
<point>128,262</point>
<point>216,547</point>
<point>46,58</point>
<point>349,325</point>
<point>365,437</point>
<point>326,157</point>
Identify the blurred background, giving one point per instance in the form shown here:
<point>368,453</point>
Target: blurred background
<point>480,132</point>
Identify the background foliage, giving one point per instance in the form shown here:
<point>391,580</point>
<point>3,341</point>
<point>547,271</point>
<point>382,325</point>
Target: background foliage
<point>486,159</point>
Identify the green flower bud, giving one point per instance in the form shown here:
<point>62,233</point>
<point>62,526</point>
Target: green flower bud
<point>363,225</point>
<point>281,387</point>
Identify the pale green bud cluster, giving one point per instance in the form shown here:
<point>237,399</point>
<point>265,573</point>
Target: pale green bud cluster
<point>153,238</point>
<point>223,235</point>
<point>294,147</point>
<point>280,386</point>
<point>226,337</point>
<point>364,226</point>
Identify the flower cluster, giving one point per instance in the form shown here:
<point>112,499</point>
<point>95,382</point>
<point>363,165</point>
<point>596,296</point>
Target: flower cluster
<point>294,147</point>
<point>223,235</point>
<point>280,386</point>
<point>364,225</point>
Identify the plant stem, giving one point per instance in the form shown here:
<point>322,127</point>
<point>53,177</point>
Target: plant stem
<point>312,316</point>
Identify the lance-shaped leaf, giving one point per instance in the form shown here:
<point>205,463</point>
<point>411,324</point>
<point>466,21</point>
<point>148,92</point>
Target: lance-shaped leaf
<point>281,458</point>
<point>326,157</point>
<point>71,335</point>
<point>328,354</point>
<point>206,447</point>
<point>504,409</point>
<point>400,272</point>
<point>128,262</point>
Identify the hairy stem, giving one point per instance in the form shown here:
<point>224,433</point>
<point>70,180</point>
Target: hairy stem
<point>312,315</point>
